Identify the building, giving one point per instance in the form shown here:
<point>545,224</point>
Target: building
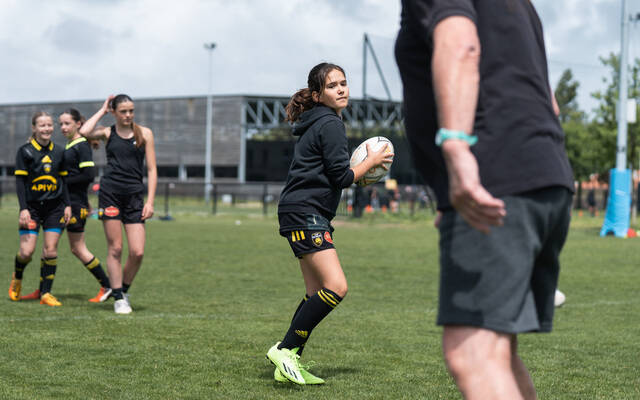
<point>178,124</point>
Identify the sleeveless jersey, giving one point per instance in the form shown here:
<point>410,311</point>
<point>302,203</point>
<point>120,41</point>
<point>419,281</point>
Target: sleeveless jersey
<point>43,169</point>
<point>78,155</point>
<point>125,161</point>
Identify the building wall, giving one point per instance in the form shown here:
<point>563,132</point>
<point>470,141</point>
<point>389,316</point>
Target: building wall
<point>178,125</point>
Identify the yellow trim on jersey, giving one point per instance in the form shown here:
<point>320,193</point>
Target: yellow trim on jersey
<point>47,177</point>
<point>21,172</point>
<point>63,173</point>
<point>35,144</point>
<point>302,234</point>
<point>85,164</point>
<point>74,142</point>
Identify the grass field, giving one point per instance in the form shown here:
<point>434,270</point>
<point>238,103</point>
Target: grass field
<point>214,293</point>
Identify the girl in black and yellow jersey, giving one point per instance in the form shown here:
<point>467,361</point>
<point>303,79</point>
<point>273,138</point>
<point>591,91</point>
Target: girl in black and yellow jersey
<point>44,201</point>
<point>78,162</point>
<point>121,200</point>
<point>318,173</point>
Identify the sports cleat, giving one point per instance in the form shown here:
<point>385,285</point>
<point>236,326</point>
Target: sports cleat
<point>35,295</point>
<point>309,378</point>
<point>122,307</point>
<point>14,288</point>
<point>286,361</point>
<point>49,300</point>
<point>102,295</point>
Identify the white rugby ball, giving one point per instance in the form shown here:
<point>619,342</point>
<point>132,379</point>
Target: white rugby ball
<point>360,154</point>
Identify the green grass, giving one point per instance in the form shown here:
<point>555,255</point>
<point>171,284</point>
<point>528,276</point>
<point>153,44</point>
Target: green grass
<point>214,294</point>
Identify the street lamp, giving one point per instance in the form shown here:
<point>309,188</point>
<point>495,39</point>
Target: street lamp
<point>208,171</point>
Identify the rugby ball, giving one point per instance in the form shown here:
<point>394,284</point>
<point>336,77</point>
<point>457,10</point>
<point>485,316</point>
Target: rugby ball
<point>360,154</point>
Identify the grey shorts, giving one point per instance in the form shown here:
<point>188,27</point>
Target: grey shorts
<point>505,281</point>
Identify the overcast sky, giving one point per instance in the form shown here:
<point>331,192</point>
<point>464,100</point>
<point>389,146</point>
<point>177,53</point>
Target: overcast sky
<point>61,50</point>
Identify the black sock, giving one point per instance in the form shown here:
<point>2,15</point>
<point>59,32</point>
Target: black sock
<point>20,265</point>
<point>117,294</point>
<point>295,314</point>
<point>96,270</point>
<point>125,287</point>
<point>304,299</point>
<point>311,313</point>
<point>47,274</point>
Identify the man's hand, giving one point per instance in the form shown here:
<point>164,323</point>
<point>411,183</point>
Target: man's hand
<point>467,195</point>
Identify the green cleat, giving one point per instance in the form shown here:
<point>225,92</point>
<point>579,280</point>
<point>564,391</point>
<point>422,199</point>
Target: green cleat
<point>286,361</point>
<point>309,378</point>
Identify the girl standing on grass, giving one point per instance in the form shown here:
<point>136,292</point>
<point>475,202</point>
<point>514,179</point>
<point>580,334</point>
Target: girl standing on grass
<point>78,160</point>
<point>308,202</point>
<point>44,201</point>
<point>121,199</point>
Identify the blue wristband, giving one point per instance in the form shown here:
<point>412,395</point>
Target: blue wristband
<point>446,134</point>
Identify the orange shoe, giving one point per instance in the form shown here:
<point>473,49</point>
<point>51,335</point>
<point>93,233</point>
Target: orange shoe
<point>35,295</point>
<point>49,300</point>
<point>14,288</point>
<point>102,295</point>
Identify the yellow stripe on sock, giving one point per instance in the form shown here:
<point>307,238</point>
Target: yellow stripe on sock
<point>322,295</point>
<point>51,262</point>
<point>50,277</point>
<point>331,297</point>
<point>93,263</point>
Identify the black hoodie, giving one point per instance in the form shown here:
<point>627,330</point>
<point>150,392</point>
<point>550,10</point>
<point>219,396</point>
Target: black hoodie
<point>320,167</point>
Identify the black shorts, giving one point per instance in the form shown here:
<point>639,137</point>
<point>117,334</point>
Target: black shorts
<point>79,213</point>
<point>124,207</point>
<point>48,214</point>
<point>306,233</point>
<point>505,281</point>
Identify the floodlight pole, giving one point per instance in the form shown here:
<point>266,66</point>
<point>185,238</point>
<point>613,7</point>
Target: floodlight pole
<point>621,156</point>
<point>208,170</point>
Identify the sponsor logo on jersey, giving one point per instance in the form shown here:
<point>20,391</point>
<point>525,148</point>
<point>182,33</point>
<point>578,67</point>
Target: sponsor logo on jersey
<point>111,211</point>
<point>46,159</point>
<point>316,238</point>
<point>51,186</point>
<point>327,237</point>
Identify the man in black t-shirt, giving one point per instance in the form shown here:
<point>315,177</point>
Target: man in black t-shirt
<point>480,120</point>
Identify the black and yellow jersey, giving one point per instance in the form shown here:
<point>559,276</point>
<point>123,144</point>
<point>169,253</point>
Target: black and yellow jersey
<point>78,162</point>
<point>42,170</point>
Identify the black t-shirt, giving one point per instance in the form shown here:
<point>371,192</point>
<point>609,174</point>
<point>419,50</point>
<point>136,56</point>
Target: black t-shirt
<point>77,158</point>
<point>125,163</point>
<point>520,141</point>
<point>42,169</point>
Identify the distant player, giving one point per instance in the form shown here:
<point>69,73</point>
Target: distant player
<point>308,202</point>
<point>44,201</point>
<point>78,161</point>
<point>121,197</point>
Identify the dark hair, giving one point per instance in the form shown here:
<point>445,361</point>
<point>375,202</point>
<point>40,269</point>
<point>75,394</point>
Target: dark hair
<point>137,131</point>
<point>302,100</point>
<point>75,115</point>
